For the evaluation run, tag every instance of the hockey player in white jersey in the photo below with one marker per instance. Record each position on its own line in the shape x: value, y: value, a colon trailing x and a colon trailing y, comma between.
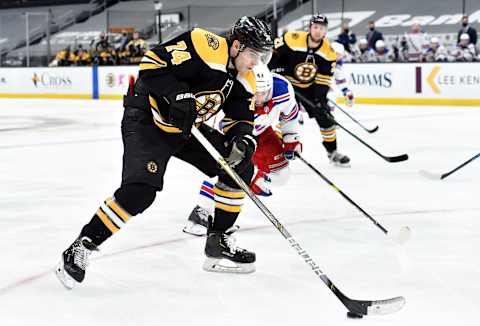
x: 276, y: 129
x: 341, y: 82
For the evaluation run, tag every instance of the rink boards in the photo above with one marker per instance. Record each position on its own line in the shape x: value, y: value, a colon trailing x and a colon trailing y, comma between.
x: 396, y: 84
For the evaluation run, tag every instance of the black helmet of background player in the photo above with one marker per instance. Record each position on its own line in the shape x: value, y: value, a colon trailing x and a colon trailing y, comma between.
x: 318, y: 27
x: 250, y: 43
x: 319, y: 18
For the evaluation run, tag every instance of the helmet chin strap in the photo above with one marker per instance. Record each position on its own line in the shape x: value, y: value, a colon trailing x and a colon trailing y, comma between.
x: 231, y: 63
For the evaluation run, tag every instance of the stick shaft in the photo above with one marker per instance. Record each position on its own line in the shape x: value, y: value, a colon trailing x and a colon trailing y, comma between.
x: 377, y: 224
x: 362, y: 307
x: 350, y: 116
x: 392, y: 159
x: 278, y: 225
x: 460, y: 166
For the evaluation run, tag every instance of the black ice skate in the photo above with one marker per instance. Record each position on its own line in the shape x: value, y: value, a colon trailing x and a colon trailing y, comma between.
x: 339, y: 159
x: 220, y: 248
x: 197, y: 222
x: 71, y: 269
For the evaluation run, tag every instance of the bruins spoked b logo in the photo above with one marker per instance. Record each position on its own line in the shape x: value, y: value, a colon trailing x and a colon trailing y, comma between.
x: 208, y: 104
x: 152, y: 167
x: 305, y: 72
x: 212, y: 41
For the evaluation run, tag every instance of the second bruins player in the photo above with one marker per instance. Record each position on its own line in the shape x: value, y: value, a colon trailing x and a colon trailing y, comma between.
x: 182, y: 83
x: 307, y: 60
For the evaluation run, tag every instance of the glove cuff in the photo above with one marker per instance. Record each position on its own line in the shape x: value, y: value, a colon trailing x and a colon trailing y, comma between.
x: 291, y: 138
x: 250, y: 140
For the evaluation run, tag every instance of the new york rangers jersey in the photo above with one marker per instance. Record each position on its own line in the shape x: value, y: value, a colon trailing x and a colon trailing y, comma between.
x: 281, y: 109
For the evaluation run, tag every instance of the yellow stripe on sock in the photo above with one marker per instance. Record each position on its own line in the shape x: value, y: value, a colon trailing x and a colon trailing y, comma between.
x: 228, y: 208
x: 117, y: 209
x: 329, y: 140
x: 229, y: 194
x: 107, y: 221
x: 326, y: 133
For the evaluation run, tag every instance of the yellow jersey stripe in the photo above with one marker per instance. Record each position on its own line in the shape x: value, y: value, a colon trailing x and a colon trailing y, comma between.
x: 229, y: 126
x: 166, y: 128
x: 152, y: 55
x: 323, y: 76
x: 158, y: 119
x: 147, y: 66
x: 322, y: 83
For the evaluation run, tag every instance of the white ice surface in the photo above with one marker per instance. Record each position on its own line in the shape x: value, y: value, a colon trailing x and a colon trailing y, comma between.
x: 60, y: 159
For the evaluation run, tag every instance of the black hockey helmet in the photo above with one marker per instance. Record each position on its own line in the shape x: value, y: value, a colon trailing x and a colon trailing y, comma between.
x: 319, y: 18
x: 253, y: 33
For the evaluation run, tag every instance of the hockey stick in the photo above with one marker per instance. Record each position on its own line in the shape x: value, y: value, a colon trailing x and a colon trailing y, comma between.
x: 401, y: 237
x: 438, y: 176
x: 371, y: 131
x: 391, y: 159
x: 356, y: 307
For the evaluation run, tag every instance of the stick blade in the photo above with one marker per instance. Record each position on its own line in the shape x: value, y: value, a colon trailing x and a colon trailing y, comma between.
x: 385, y: 307
x: 430, y: 175
x: 395, y: 159
x: 378, y: 307
x: 402, y: 235
x: 371, y: 131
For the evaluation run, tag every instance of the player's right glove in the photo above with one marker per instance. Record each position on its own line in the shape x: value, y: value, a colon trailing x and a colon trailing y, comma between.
x: 291, y: 145
x: 241, y: 152
x: 348, y: 94
x: 183, y: 112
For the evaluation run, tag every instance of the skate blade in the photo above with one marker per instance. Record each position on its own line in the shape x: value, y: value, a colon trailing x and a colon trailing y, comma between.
x: 215, y: 265
x: 67, y: 281
x: 195, y: 229
x: 340, y: 165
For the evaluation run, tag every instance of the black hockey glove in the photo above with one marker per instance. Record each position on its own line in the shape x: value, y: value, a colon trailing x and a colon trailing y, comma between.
x: 183, y: 112
x: 241, y: 153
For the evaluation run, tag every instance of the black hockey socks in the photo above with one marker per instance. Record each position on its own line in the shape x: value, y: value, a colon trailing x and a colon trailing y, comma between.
x: 329, y: 136
x: 129, y: 200
x: 228, y: 203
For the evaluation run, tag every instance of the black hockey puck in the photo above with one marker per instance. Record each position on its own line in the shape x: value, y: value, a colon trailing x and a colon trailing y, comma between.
x: 353, y: 315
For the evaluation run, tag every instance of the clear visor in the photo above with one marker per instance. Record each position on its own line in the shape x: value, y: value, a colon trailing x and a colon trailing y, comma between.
x: 262, y: 97
x: 258, y: 56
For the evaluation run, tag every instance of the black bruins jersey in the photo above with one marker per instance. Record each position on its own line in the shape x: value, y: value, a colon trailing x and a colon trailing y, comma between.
x: 197, y: 62
x: 309, y: 70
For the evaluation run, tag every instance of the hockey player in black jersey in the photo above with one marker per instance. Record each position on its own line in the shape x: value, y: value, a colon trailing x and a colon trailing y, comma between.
x: 307, y: 60
x: 181, y: 84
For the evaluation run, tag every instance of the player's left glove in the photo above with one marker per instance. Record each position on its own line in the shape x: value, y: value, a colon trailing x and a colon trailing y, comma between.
x: 291, y: 145
x: 348, y: 94
x: 183, y: 112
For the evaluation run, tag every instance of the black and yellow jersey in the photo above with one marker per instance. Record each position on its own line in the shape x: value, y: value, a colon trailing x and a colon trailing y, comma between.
x: 304, y: 67
x: 138, y: 43
x: 197, y: 62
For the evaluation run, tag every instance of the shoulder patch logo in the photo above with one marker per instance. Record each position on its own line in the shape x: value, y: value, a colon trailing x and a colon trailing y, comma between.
x: 152, y: 167
x: 212, y: 41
